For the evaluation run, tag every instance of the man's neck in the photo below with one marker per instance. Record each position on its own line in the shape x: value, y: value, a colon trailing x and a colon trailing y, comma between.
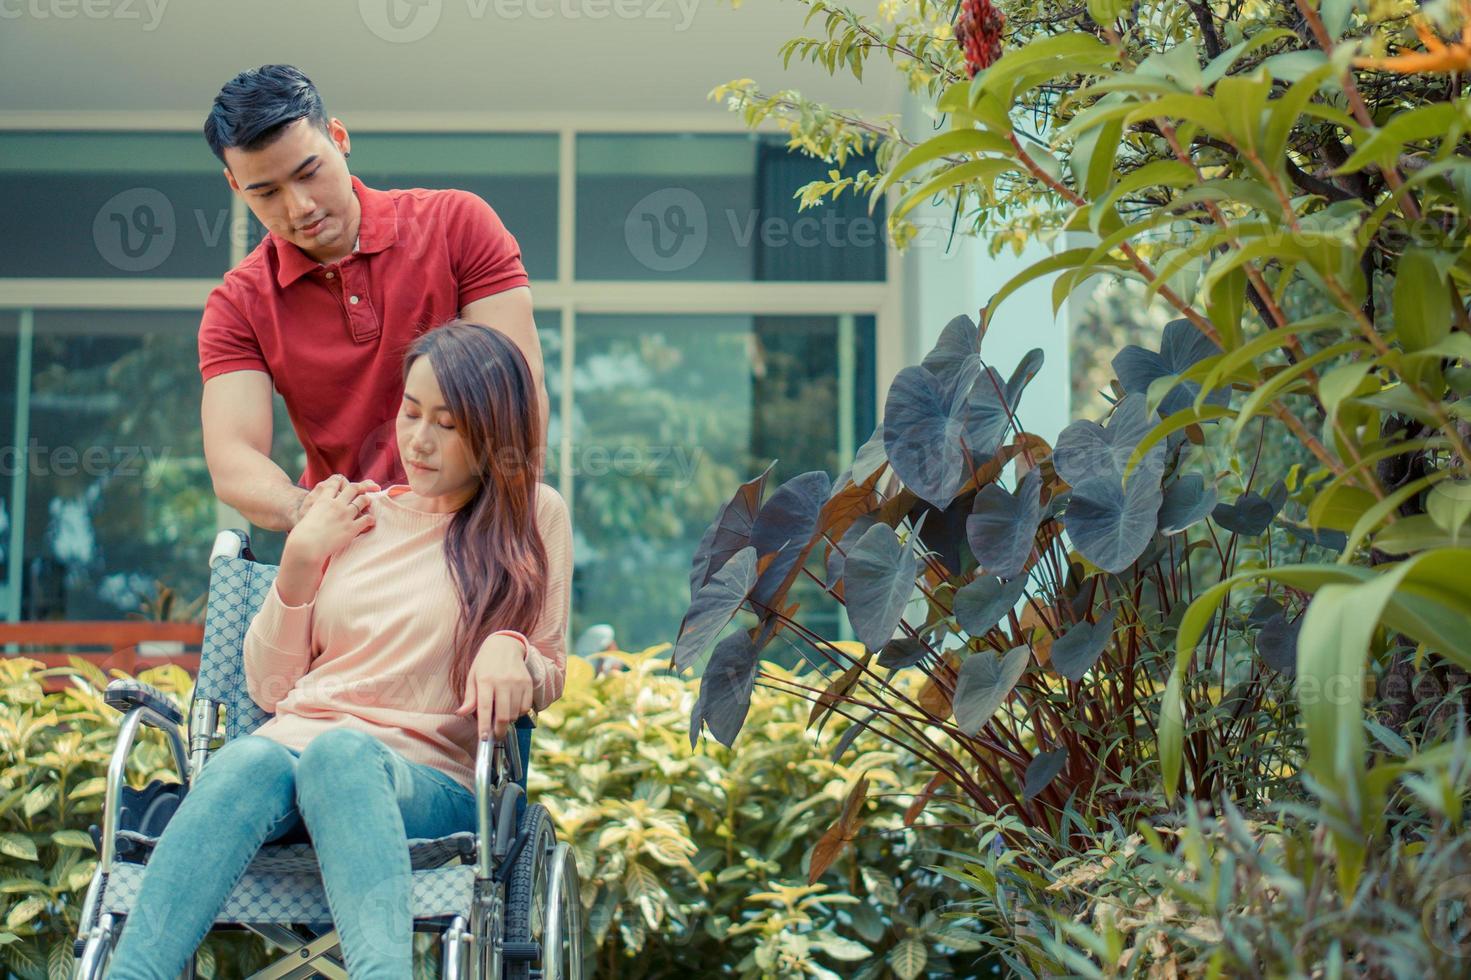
x: 354, y: 234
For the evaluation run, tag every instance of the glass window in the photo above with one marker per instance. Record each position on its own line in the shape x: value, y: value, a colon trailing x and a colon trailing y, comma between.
x: 129, y: 205
x: 672, y: 413
x: 118, y: 498
x: 717, y: 207
x: 12, y: 460
x: 515, y: 174
x: 287, y: 452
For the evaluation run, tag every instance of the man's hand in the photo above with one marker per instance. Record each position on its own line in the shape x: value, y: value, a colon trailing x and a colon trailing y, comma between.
x: 498, y: 686
x: 337, y: 513
x: 328, y: 487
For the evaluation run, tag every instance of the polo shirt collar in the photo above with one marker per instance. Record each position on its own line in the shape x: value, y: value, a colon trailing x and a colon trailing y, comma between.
x: 377, y: 230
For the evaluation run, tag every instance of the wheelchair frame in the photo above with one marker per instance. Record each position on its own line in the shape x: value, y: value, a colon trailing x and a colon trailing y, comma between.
x: 473, y: 947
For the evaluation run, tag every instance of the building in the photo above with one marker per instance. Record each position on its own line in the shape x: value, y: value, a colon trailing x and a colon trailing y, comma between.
x: 695, y: 325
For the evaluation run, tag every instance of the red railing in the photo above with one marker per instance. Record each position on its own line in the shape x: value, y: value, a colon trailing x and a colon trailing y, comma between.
x: 61, y: 639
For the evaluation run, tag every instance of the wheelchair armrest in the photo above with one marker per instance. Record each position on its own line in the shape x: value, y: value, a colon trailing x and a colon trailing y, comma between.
x: 498, y: 766
x: 127, y: 692
x: 142, y: 704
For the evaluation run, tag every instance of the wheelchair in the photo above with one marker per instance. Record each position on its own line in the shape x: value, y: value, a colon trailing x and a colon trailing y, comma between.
x: 504, y: 898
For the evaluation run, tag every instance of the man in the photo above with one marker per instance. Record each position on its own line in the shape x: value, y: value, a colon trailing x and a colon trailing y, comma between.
x: 325, y: 306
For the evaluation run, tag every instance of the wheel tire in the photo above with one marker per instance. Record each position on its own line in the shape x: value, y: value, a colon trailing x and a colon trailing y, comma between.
x: 527, y: 888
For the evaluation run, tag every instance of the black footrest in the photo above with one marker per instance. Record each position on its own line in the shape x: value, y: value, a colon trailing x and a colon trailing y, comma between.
x: 521, y: 952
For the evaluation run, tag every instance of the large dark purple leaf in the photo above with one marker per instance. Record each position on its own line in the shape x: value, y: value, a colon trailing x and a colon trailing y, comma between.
x: 1003, y: 526
x: 725, y: 689
x: 837, y: 557
x: 1025, y: 371
x: 943, y: 532
x: 785, y: 527
x: 981, y: 604
x: 1250, y: 514
x: 924, y: 418
x: 983, y: 684
x: 878, y: 579
x: 1187, y: 501
x: 1276, y: 644
x: 902, y: 651
x: 1181, y: 347
x: 956, y: 352
x: 1088, y: 450
x: 1077, y: 650
x: 988, y: 415
x: 1110, y: 525
x: 1042, y: 770
x: 870, y: 457
x: 729, y: 533
x: 715, y: 605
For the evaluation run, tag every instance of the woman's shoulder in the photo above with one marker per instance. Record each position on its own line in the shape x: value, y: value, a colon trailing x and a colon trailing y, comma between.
x: 551, y: 507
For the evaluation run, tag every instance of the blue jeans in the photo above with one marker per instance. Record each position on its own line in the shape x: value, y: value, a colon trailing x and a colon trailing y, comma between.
x: 359, y: 800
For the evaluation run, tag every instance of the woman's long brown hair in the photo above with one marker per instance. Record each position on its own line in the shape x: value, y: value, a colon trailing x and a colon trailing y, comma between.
x: 493, y: 547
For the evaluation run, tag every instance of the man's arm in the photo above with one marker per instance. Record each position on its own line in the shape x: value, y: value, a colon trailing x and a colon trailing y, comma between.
x: 236, y: 413
x: 511, y: 313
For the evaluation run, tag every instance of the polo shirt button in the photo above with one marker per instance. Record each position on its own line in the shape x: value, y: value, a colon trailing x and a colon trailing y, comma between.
x: 331, y: 275
x: 353, y: 300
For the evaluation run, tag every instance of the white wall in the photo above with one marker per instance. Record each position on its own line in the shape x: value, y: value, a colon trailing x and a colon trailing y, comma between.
x: 941, y: 283
x: 624, y: 57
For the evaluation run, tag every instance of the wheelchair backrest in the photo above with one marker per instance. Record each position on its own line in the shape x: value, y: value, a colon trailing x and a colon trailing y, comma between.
x: 237, y: 586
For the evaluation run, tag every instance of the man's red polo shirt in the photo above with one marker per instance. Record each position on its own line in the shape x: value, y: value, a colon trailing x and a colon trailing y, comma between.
x: 333, y: 338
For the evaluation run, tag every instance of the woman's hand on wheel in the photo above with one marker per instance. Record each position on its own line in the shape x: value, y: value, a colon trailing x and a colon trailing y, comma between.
x: 337, y: 510
x: 497, y: 686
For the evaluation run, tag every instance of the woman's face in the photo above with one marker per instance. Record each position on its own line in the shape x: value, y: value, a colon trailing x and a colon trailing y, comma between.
x: 434, y: 454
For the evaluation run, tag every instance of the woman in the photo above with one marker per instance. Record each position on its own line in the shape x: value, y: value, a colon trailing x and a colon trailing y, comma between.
x: 403, y: 625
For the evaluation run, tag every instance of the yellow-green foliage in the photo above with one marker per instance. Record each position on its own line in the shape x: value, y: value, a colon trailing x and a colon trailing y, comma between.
x: 687, y: 856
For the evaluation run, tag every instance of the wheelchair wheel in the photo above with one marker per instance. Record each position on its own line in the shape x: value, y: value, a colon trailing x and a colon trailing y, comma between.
x: 526, y: 890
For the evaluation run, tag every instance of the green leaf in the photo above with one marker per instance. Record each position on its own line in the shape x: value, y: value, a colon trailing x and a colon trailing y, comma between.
x: 26, y: 910
x: 73, y: 838
x: 18, y: 846
x: 1385, y: 144
x: 1332, y: 649
x: 907, y: 958
x: 953, y: 142
x: 1339, y: 509
x: 982, y: 172
x: 1449, y: 506
x: 1335, y: 16
x: 1422, y: 301
x: 1105, y: 12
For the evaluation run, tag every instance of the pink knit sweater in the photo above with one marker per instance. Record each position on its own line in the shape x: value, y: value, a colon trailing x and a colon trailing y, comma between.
x: 371, y: 650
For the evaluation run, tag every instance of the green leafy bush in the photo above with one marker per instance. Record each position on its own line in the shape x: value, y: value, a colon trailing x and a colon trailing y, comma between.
x: 686, y: 856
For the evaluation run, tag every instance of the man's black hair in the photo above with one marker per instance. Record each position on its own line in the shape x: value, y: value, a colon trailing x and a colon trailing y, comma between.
x: 255, y: 105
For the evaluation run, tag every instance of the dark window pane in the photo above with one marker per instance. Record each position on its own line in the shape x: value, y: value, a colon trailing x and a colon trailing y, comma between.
x: 672, y: 414
x: 717, y: 207
x: 515, y: 174
x: 132, y: 205
x: 118, y: 498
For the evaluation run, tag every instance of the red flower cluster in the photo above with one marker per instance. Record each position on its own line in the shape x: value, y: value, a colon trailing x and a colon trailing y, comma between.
x: 978, y: 29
